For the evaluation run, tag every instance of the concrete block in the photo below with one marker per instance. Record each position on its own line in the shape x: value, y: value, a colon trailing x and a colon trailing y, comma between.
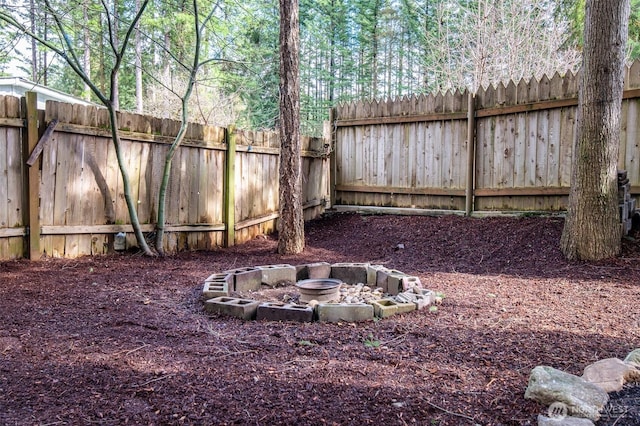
x: 344, y: 312
x: 220, y: 276
x: 404, y: 307
x: 409, y: 282
x: 302, y: 272
x: 394, y: 282
x: 382, y: 279
x: 217, y: 285
x: 246, y: 279
x: 350, y: 273
x: 276, y: 274
x: 372, y: 274
x: 384, y: 308
x: 213, y: 289
x: 420, y: 301
x: 273, y: 311
x: 427, y: 294
x: 319, y: 270
x: 405, y: 296
x: 231, y: 306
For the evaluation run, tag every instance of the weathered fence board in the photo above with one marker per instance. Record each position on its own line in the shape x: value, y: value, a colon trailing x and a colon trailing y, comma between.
x: 415, y: 150
x: 81, y: 200
x: 12, y: 242
x: 382, y: 162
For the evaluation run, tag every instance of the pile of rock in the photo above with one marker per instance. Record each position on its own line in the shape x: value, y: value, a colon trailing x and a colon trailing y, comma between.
x: 362, y: 293
x: 574, y: 400
x: 359, y: 293
x: 626, y: 204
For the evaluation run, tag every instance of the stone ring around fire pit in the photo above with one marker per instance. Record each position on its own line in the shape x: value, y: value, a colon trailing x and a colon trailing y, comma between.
x: 339, y: 292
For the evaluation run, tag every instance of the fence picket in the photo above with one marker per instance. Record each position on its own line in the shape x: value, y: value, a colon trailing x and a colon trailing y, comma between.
x: 544, y: 88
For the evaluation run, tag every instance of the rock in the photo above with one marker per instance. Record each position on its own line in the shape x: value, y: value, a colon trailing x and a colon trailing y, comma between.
x: 634, y: 356
x: 548, y: 385
x: 611, y: 374
x: 563, y: 421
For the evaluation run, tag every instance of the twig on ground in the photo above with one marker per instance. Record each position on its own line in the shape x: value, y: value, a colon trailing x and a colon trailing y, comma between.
x: 229, y: 353
x: 619, y: 417
x: 292, y: 361
x: 129, y: 352
x: 155, y: 380
x: 450, y: 412
x: 402, y: 336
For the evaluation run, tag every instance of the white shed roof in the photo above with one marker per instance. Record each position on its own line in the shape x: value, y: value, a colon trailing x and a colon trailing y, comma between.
x: 17, y: 86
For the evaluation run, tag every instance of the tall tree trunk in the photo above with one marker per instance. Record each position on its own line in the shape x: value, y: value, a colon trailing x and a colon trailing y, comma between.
x: 291, y: 223
x: 34, y: 43
x: 592, y: 228
x: 86, y: 92
x: 375, y: 38
x: 102, y: 76
x: 138, y: 60
x: 166, y: 73
x: 332, y: 53
x: 115, y: 78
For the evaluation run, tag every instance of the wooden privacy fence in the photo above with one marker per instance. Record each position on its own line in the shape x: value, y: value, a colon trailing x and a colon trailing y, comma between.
x: 421, y: 153
x: 223, y: 188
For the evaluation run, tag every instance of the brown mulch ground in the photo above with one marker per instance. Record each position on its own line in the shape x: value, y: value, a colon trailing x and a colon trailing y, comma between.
x: 123, y: 339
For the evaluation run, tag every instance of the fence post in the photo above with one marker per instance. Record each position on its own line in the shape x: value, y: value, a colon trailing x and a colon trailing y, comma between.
x: 230, y: 187
x: 32, y: 175
x: 471, y: 153
x: 332, y: 156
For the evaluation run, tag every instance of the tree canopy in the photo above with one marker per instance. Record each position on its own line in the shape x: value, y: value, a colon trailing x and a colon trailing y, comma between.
x: 349, y: 49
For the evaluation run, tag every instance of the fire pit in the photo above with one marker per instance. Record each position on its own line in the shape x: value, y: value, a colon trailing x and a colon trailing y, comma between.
x: 322, y: 290
x: 355, y: 292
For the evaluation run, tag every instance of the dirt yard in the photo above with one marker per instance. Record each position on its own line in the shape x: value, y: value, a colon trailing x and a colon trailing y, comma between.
x: 123, y: 339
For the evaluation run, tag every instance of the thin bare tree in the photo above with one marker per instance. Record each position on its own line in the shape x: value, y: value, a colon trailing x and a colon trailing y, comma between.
x: 497, y: 41
x: 192, y: 71
x: 65, y: 50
